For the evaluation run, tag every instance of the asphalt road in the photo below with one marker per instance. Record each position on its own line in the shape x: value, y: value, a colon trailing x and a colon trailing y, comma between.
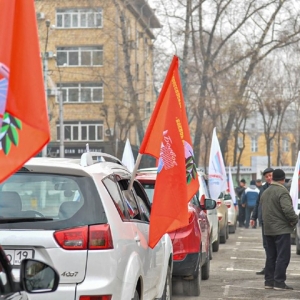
x: 233, y: 267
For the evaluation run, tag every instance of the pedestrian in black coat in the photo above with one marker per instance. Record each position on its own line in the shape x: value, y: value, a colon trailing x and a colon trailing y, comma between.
x: 268, y: 174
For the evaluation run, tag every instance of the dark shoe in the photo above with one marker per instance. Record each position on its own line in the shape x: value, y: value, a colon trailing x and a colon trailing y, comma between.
x: 262, y: 272
x: 282, y: 287
x: 269, y: 287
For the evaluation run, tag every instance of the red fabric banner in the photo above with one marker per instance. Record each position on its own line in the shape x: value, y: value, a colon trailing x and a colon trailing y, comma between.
x: 167, y: 138
x: 24, y: 126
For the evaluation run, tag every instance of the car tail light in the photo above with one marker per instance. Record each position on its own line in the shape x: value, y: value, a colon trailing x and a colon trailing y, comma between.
x: 100, y: 237
x: 228, y: 204
x: 95, y: 237
x: 181, y: 256
x: 100, y: 297
x: 219, y: 202
x: 220, y: 218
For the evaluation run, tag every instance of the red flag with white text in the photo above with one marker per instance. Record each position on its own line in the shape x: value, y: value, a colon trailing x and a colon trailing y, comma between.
x: 24, y: 126
x: 167, y: 138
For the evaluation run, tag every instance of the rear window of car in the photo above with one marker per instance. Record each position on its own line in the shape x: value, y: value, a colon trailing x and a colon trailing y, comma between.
x: 49, y: 201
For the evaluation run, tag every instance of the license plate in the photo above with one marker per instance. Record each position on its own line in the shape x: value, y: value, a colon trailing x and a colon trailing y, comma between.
x: 16, y: 256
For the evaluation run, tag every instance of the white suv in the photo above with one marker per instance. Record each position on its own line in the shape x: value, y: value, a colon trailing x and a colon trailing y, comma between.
x: 81, y: 217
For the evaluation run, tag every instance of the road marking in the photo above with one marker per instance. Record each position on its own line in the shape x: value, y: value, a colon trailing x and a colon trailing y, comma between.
x: 247, y: 258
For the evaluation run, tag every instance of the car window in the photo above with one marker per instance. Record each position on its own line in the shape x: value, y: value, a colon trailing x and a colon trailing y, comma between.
x: 227, y: 197
x: 195, y: 201
x: 114, y: 192
x: 149, y: 189
x: 143, y: 201
x: 63, y: 199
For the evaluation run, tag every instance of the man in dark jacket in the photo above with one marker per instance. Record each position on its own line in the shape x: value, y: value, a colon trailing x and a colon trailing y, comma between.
x: 279, y: 219
x: 267, y: 173
x: 239, y: 190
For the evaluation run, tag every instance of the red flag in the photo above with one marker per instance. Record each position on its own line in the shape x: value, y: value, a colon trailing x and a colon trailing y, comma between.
x: 168, y: 139
x: 24, y: 126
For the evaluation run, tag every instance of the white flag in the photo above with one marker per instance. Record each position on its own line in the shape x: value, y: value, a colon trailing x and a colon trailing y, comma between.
x: 217, y: 181
x: 230, y: 186
x: 295, y: 184
x: 127, y: 158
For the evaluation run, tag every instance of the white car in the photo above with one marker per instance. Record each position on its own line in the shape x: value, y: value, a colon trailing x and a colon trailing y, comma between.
x: 212, y: 214
x: 81, y: 217
x: 232, y: 211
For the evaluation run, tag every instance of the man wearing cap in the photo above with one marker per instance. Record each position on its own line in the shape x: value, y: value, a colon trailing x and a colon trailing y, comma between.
x: 267, y: 173
x: 249, y: 200
x: 239, y: 190
x: 279, y: 219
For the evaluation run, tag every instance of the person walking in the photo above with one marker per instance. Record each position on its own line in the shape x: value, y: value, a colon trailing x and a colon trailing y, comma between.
x: 256, y: 214
x: 249, y: 199
x: 239, y: 190
x: 279, y: 219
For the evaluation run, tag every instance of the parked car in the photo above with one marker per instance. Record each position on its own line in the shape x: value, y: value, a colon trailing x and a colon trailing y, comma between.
x: 212, y: 214
x: 223, y: 219
x: 33, y: 277
x: 82, y: 217
x: 191, y: 244
x: 232, y: 212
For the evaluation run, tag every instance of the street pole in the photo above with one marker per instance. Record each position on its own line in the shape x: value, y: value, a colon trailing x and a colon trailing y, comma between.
x: 45, y: 69
x: 61, y: 126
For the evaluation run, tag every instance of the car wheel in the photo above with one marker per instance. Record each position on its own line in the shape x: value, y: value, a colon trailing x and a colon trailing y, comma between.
x: 227, y: 231
x: 223, y: 235
x: 136, y: 296
x: 210, y: 250
x: 297, y: 245
x: 205, y: 269
x: 232, y: 229
x: 215, y: 245
x: 192, y: 287
x: 167, y: 294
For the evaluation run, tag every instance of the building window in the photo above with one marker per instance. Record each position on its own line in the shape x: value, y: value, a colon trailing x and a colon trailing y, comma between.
x: 254, y: 147
x: 285, y: 145
x: 82, y: 92
x: 80, y: 56
x: 82, y: 131
x: 79, y: 18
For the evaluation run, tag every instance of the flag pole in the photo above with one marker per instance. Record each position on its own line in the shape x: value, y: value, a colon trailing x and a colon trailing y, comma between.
x: 136, y: 166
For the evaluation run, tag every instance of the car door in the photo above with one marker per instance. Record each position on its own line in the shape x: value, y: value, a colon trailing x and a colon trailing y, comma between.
x: 203, y: 223
x: 139, y: 209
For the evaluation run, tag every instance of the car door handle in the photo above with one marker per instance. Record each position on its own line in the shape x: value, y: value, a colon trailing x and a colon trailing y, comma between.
x: 137, y: 238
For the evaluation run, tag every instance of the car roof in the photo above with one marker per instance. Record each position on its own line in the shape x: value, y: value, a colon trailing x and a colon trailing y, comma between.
x: 79, y: 167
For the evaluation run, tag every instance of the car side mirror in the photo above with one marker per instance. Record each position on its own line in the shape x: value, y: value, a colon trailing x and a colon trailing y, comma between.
x: 209, y: 204
x: 38, y: 277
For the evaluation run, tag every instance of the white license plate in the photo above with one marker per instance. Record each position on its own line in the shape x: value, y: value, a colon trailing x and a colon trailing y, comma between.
x: 16, y: 256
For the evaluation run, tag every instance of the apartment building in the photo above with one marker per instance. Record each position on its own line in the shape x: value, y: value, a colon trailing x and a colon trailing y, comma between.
x: 97, y: 58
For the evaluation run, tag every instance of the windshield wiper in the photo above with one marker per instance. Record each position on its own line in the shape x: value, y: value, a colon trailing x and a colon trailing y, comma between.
x: 20, y: 220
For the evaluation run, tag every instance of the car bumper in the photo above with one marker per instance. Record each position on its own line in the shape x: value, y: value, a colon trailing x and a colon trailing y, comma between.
x: 187, y: 266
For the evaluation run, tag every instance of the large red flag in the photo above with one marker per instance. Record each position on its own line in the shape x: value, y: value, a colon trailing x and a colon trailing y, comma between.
x: 24, y: 126
x: 168, y: 139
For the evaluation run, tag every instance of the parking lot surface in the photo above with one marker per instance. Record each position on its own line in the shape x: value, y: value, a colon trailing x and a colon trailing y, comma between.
x: 233, y: 267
